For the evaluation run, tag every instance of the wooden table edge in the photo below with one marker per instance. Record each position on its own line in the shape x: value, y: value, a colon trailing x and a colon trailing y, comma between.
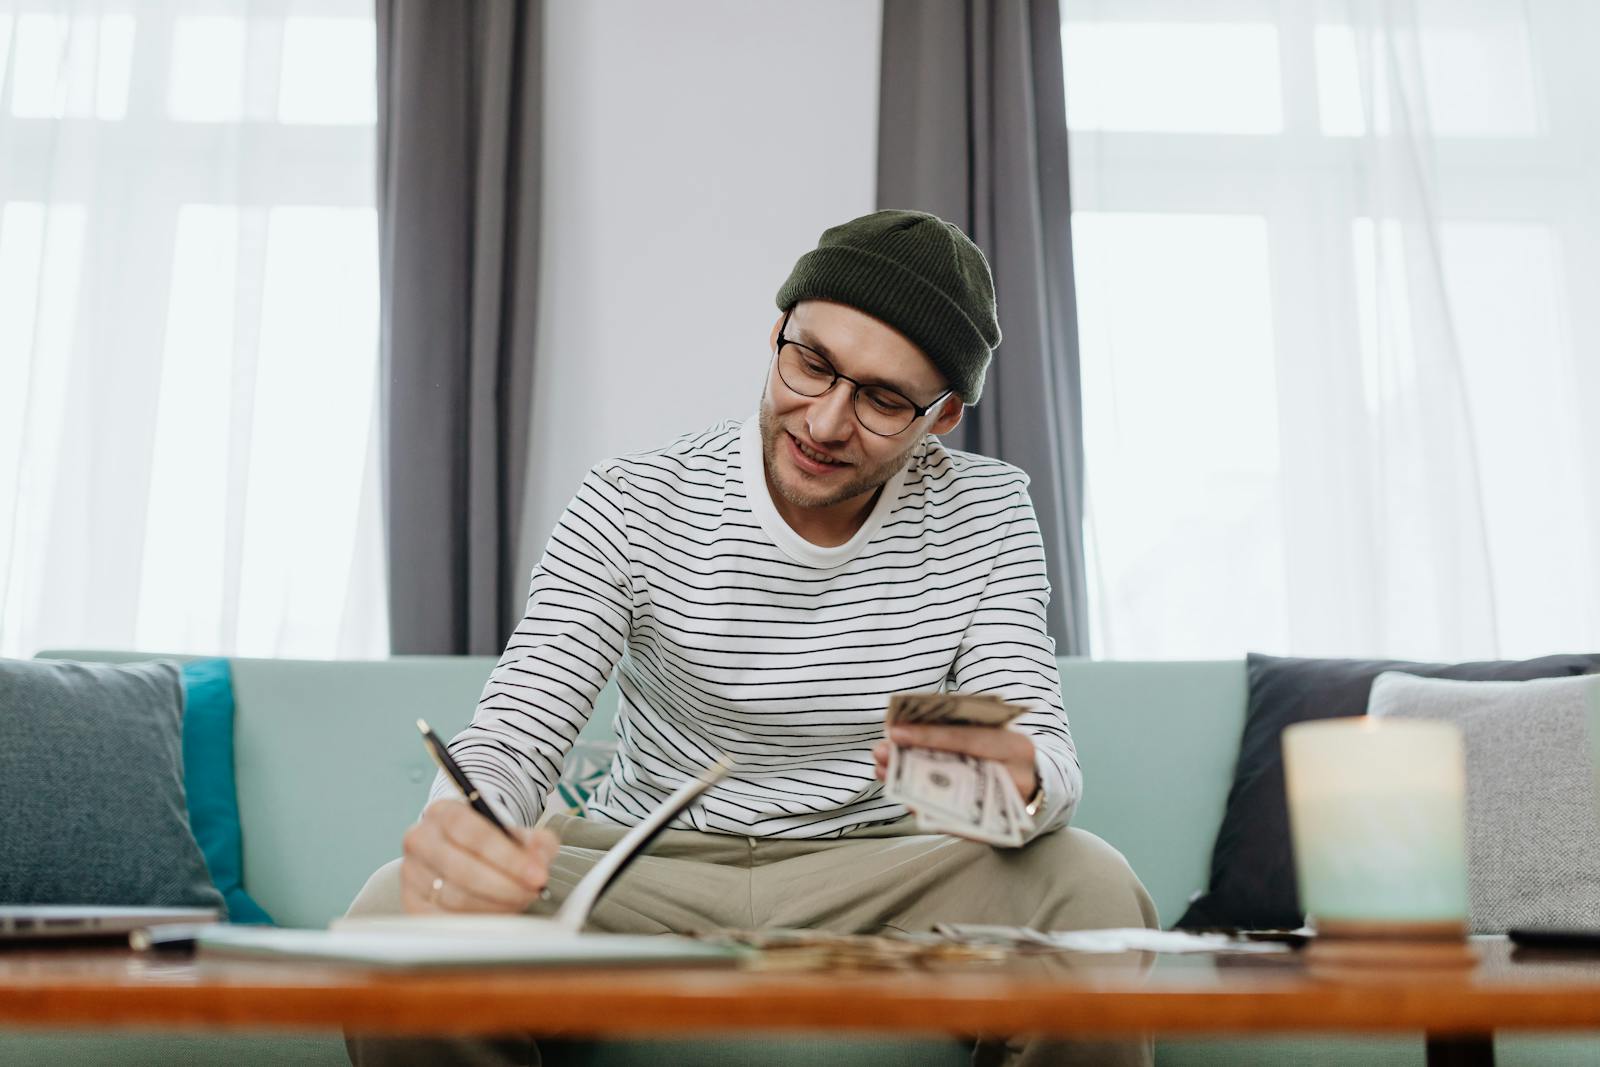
x: 407, y: 1008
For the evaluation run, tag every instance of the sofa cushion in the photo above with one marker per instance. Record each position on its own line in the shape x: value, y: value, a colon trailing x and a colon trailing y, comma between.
x: 209, y: 782
x: 1533, y: 836
x: 91, y: 787
x: 1252, y: 881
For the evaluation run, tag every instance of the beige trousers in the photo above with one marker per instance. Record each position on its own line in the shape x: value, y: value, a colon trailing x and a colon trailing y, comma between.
x: 883, y: 878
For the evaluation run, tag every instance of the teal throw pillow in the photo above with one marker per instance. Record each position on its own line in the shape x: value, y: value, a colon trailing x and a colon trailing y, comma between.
x: 208, y: 773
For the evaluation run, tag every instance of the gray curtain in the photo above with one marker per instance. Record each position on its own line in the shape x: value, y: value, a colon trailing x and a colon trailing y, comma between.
x: 972, y: 127
x: 458, y: 201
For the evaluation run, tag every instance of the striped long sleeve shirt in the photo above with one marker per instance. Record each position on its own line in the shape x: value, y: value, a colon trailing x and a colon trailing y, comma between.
x: 729, y: 633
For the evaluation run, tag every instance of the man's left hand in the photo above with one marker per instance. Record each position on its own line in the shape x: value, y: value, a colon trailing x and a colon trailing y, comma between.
x: 1010, y: 748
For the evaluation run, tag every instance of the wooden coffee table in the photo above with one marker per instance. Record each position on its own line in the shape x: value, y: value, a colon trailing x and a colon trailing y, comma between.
x: 112, y: 988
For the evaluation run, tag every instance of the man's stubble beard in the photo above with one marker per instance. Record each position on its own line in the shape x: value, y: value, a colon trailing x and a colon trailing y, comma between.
x: 865, y: 481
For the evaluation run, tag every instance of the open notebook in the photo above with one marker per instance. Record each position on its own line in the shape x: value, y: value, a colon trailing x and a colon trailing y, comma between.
x: 404, y: 941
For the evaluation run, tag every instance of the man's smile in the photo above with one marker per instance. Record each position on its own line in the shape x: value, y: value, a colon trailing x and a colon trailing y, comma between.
x: 810, y: 459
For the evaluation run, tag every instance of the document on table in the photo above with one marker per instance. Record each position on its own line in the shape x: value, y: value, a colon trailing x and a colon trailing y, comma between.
x: 432, y: 945
x: 1134, y: 939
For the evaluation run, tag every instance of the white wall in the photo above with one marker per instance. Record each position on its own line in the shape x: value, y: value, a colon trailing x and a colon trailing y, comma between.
x: 693, y: 151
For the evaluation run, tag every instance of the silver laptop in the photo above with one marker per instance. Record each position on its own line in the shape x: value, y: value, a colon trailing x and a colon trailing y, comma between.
x: 53, y: 922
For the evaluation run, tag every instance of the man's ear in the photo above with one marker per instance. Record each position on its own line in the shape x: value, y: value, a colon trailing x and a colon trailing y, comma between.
x: 949, y: 415
x: 777, y: 328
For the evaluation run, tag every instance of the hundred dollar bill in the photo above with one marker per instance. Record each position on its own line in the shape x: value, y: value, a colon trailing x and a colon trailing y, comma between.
x: 960, y: 709
x: 951, y: 792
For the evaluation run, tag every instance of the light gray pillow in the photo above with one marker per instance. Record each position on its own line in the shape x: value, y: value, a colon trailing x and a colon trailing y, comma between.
x: 1533, y: 834
x: 91, y: 787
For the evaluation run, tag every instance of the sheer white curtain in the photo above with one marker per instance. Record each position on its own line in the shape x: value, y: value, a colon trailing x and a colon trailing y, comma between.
x: 188, y: 300
x: 1340, y: 369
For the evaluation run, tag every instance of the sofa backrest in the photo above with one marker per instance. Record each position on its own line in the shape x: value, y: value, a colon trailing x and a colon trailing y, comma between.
x: 1157, y: 742
x: 336, y: 790
x: 329, y: 766
x: 331, y: 772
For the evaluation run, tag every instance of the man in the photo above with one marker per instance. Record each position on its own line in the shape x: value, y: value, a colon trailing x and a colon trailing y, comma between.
x: 761, y: 590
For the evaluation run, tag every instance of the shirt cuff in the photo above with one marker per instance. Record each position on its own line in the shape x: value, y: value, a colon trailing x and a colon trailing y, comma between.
x: 498, y: 802
x: 1060, y: 797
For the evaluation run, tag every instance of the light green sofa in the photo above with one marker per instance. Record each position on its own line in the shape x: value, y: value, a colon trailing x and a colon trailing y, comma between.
x: 330, y: 773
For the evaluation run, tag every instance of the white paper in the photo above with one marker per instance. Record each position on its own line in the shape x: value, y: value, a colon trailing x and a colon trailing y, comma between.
x: 1131, y: 939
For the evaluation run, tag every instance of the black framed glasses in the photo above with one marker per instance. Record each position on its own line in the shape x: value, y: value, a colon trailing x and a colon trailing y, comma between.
x: 880, y: 409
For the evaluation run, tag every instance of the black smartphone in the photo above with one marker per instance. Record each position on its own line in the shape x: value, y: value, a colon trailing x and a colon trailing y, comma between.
x: 1587, y: 939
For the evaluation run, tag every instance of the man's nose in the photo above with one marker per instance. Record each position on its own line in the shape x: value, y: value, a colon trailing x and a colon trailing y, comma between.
x: 832, y: 416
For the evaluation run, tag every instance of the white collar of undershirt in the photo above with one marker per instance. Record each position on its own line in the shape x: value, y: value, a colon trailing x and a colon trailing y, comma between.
x: 783, y: 535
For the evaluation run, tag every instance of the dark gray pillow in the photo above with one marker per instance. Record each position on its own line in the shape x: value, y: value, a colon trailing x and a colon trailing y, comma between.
x: 91, y: 787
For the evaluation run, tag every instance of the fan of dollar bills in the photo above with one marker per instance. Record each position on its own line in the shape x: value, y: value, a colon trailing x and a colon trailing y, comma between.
x: 951, y: 792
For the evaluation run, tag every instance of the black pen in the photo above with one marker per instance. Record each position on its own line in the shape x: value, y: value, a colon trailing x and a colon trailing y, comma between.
x: 168, y: 937
x: 441, y: 756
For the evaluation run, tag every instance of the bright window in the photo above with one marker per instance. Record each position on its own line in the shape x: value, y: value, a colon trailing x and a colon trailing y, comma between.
x: 1120, y: 74
x: 188, y: 328
x: 1262, y: 320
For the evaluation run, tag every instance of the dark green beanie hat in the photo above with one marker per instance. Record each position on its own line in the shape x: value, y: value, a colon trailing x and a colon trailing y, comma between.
x: 917, y: 273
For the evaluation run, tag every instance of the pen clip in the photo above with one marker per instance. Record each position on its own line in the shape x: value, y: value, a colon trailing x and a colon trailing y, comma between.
x: 436, y: 749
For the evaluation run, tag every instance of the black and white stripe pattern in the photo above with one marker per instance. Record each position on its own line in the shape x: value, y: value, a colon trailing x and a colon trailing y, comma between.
x: 736, y: 636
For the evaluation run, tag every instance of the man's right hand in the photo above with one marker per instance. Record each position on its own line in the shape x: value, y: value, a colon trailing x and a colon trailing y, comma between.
x: 456, y: 861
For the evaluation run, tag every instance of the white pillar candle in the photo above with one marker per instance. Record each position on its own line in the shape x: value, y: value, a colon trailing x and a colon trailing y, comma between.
x: 1377, y: 812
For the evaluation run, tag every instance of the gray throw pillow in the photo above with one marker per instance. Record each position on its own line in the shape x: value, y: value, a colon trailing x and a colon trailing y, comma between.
x: 1533, y: 834
x: 91, y: 787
